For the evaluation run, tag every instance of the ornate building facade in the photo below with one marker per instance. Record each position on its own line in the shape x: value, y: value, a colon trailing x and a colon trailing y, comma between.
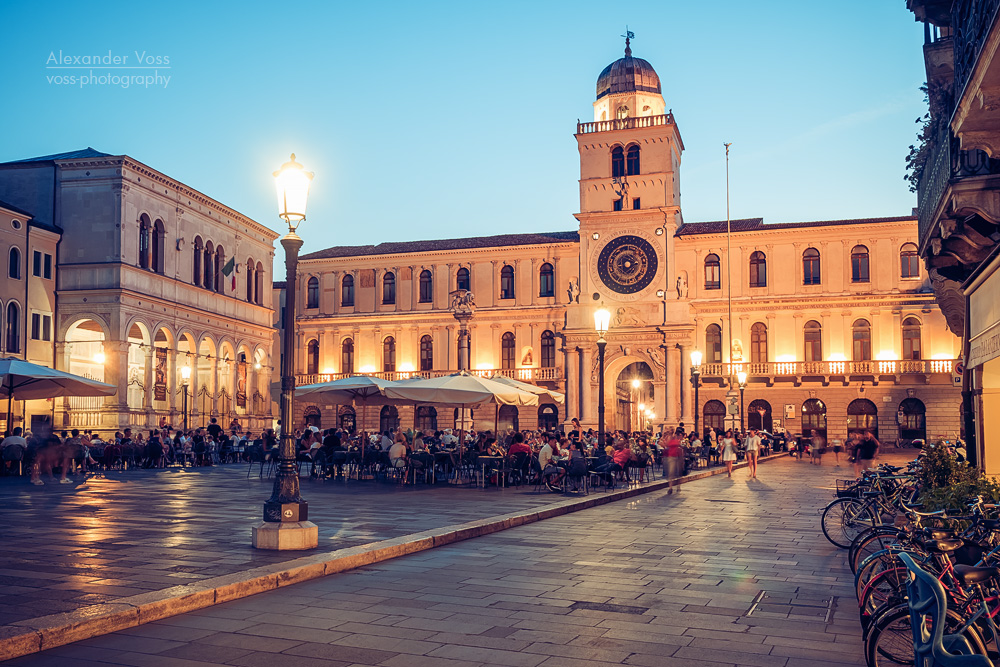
x: 956, y: 167
x: 834, y: 322
x: 151, y: 276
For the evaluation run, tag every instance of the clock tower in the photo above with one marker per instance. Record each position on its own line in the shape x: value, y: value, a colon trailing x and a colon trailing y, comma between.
x: 629, y: 210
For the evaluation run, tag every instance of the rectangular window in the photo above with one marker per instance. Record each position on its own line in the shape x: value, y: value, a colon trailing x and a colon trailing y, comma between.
x: 46, y: 327
x: 636, y: 204
x: 36, y: 325
x: 36, y: 264
x: 47, y: 273
x: 617, y: 205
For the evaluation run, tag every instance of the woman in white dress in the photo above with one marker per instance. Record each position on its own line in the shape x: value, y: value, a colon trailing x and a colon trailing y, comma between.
x: 729, y: 451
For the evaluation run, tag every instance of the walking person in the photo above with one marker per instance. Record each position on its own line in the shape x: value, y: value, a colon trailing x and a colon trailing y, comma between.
x: 817, y: 447
x: 729, y: 451
x: 753, y: 449
x: 673, y: 457
x: 838, y: 447
x: 866, y: 453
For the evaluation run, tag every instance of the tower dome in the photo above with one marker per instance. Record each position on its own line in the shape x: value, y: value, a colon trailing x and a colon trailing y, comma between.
x: 628, y: 75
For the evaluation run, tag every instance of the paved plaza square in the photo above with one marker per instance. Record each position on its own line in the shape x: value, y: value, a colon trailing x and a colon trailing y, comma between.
x: 726, y: 571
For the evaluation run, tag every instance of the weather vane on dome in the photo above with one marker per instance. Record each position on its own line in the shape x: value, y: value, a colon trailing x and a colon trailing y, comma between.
x: 629, y: 35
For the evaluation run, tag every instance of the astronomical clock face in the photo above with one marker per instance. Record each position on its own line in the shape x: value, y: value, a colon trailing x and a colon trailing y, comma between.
x: 627, y: 264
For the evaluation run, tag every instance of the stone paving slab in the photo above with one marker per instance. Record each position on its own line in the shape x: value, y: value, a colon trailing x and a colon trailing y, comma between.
x: 549, y: 593
x: 141, y: 598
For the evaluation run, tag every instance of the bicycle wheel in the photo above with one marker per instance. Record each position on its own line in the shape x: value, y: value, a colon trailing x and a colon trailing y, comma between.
x: 844, y: 519
x: 888, y: 588
x: 890, y: 640
x: 878, y: 562
x: 871, y: 542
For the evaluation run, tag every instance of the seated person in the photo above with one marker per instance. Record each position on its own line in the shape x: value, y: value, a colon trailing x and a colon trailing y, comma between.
x: 397, y: 455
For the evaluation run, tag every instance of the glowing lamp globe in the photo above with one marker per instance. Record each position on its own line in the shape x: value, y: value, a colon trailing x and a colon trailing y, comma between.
x: 602, y: 320
x: 696, y: 358
x: 292, y: 183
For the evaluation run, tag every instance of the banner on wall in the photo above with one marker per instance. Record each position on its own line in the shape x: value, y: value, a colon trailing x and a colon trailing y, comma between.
x: 160, y: 375
x: 241, y: 385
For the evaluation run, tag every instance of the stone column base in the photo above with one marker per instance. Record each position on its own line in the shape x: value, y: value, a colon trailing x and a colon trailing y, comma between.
x: 289, y: 536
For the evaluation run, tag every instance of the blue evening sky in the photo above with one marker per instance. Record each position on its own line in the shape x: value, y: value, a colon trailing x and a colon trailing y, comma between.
x: 442, y: 119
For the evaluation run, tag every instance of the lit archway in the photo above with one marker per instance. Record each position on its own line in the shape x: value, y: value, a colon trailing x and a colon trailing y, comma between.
x: 634, y: 396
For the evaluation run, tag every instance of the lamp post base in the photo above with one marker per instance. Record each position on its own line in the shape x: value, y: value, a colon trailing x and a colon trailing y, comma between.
x: 287, y: 536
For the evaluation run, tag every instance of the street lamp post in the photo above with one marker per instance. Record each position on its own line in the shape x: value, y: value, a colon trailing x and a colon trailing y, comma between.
x: 742, y: 379
x: 185, y: 378
x: 695, y: 380
x: 286, y: 525
x: 602, y: 319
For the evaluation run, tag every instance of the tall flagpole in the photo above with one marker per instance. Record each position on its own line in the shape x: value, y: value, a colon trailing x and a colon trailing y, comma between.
x: 729, y: 266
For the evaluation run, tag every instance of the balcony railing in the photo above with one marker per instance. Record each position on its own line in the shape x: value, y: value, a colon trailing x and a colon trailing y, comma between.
x: 523, y: 374
x: 630, y: 123
x: 828, y: 368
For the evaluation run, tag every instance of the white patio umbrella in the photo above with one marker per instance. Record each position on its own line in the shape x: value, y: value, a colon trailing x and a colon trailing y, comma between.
x: 534, y: 389
x: 25, y: 381
x: 345, y: 390
x: 461, y: 390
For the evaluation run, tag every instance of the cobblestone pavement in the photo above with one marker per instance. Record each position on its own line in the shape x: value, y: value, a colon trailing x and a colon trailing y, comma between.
x: 111, y: 536
x: 724, y: 572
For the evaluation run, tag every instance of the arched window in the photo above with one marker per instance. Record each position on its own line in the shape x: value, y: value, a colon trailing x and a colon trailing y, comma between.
x: 632, y: 161
x: 912, y: 419
x: 546, y: 280
x: 713, y: 344
x: 14, y: 263
x: 813, y: 335
x: 347, y: 356
x: 715, y: 415
x: 713, y: 272
x: 813, y: 417
x: 258, y: 281
x: 426, y: 353
x: 389, y: 354
x: 758, y: 343
x: 507, y: 350
x: 143, y: 241
x: 312, y: 293
x: 462, y: 280
x: 909, y: 262
x: 862, y: 336
x: 617, y: 162
x: 862, y: 415
x: 548, y: 349
x: 388, y: 418
x: 548, y: 417
x: 220, y: 262
x: 507, y: 282
x: 911, y: 338
x: 197, y: 248
x: 426, y: 419
x: 347, y: 418
x: 347, y: 291
x: 389, y: 288
x: 208, y: 266
x: 426, y: 287
x: 859, y: 265
x: 13, y: 337
x: 159, y: 236
x: 507, y: 418
x: 312, y: 357
x: 759, y: 415
x: 758, y: 269
x: 810, y: 267
x: 251, y: 280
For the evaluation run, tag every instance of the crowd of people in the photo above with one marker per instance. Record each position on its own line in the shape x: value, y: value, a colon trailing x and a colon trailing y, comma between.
x: 69, y: 451
x: 554, y: 455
